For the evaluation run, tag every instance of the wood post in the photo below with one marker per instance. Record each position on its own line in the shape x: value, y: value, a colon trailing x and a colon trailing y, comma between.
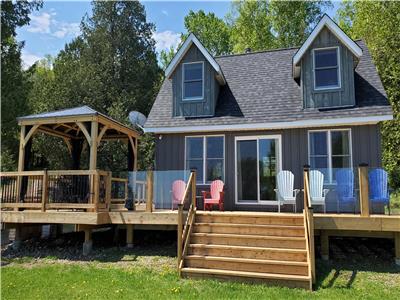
x: 21, y: 162
x: 129, y: 236
x: 312, y: 245
x: 108, y: 190
x: 180, y: 232
x: 397, y: 248
x: 306, y: 170
x: 96, y: 194
x: 149, y: 200
x: 93, y: 145
x: 364, y: 189
x: 324, y: 245
x: 194, y: 188
x: 44, y: 190
x: 88, y: 243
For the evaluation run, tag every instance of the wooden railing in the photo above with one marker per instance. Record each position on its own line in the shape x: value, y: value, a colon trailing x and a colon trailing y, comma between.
x: 184, y: 231
x: 64, y: 189
x: 309, y: 225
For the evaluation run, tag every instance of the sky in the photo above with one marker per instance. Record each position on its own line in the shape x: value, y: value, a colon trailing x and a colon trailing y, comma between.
x: 57, y: 23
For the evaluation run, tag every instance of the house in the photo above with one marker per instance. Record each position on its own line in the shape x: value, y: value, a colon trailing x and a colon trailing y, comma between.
x: 242, y: 118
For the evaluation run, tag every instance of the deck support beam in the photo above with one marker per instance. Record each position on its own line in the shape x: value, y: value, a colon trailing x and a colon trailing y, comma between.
x: 129, y: 236
x: 324, y: 245
x: 88, y: 243
x: 397, y: 248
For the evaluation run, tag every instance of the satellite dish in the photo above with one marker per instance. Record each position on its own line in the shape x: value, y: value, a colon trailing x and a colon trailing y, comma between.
x: 137, y: 119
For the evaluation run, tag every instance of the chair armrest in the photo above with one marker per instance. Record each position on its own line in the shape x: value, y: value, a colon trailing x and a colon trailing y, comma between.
x: 295, y: 192
x: 325, y: 192
x: 221, y: 196
x: 275, y: 190
x: 205, y: 193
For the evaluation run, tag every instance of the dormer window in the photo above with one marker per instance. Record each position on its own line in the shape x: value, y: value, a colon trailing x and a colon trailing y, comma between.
x: 193, y: 81
x: 326, y: 68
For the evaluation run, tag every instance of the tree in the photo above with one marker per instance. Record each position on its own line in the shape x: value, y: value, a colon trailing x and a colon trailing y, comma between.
x: 111, y: 66
x: 293, y: 21
x: 212, y: 31
x: 14, y: 86
x: 251, y: 26
x: 166, y: 56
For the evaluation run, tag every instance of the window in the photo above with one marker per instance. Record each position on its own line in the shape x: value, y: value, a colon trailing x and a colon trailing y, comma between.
x: 206, y: 155
x: 326, y: 68
x: 193, y: 81
x: 329, y: 150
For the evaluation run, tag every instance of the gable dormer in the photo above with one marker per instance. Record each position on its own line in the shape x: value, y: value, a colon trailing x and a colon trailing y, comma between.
x: 325, y: 66
x: 196, y: 78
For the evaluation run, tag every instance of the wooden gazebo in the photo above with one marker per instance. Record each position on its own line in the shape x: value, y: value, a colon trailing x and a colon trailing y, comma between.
x: 90, y: 189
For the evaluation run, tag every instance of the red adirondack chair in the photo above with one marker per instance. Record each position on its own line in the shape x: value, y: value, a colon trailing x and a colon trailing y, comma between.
x: 177, y: 193
x: 215, y: 196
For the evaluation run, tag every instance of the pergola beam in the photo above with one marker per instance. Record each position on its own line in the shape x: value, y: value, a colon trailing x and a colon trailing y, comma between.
x: 56, y: 133
x: 29, y: 134
x: 86, y: 133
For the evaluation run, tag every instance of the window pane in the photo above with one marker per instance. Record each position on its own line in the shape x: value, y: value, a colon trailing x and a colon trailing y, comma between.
x: 198, y: 166
x: 193, y: 89
x: 319, y: 162
x: 215, y: 147
x: 340, y: 162
x: 214, y: 169
x: 325, y: 58
x: 340, y: 142
x: 193, y: 71
x: 326, y: 77
x: 267, y: 168
x: 194, y: 148
x: 318, y: 145
x: 247, y: 171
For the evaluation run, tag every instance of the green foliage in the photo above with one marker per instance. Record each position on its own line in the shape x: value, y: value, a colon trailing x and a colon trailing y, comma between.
x: 111, y: 66
x: 378, y: 24
x: 212, y: 31
x: 14, y: 86
x: 166, y: 56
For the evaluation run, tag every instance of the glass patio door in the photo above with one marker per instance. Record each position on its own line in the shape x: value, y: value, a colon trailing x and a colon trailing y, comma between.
x: 257, y: 164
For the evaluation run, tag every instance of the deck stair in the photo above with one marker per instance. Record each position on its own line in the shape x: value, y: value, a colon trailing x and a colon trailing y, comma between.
x: 257, y: 247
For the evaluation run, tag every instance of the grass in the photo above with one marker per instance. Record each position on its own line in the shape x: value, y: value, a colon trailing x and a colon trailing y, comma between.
x: 141, y: 274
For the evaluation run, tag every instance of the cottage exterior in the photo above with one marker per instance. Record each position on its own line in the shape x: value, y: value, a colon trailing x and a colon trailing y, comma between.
x: 242, y: 118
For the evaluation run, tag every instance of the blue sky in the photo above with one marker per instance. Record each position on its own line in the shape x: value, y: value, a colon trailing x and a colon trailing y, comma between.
x: 58, y: 22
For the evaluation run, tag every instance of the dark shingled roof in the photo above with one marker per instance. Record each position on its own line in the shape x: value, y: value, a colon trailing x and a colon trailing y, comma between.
x: 260, y: 88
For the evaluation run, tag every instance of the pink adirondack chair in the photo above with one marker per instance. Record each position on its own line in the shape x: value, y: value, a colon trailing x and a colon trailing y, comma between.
x: 215, y: 196
x: 177, y: 193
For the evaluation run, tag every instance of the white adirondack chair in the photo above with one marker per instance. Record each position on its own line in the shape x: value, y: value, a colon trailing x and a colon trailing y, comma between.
x: 317, y: 191
x: 286, y: 193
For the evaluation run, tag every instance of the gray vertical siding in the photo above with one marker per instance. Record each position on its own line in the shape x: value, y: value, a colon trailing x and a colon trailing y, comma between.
x: 205, y: 107
x: 366, y: 148
x: 345, y: 95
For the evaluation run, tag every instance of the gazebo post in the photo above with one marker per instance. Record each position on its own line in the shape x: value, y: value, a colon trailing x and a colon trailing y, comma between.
x: 93, y: 160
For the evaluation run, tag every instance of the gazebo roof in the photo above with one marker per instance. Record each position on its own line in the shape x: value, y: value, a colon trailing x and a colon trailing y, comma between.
x: 69, y: 123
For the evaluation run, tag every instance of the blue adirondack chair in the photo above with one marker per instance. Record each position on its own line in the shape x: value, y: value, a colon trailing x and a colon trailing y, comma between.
x: 378, y: 187
x: 345, y: 188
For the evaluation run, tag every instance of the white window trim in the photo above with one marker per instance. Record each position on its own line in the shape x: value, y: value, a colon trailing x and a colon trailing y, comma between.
x: 202, y: 81
x: 338, y: 69
x: 329, y: 148
x: 204, y: 181
x: 250, y: 138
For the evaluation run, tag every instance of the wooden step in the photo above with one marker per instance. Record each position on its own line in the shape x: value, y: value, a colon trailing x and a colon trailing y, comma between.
x: 248, y: 252
x: 249, y: 240
x: 252, y: 229
x: 247, y: 264
x: 273, y: 279
x: 263, y: 219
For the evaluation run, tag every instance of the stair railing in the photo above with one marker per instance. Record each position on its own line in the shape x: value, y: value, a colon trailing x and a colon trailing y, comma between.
x: 309, y: 224
x: 184, y: 232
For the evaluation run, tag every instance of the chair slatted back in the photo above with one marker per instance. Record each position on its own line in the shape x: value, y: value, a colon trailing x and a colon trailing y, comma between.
x: 285, y: 183
x: 378, y: 185
x: 316, y: 184
x: 345, y: 184
x: 178, y: 191
x: 216, y: 187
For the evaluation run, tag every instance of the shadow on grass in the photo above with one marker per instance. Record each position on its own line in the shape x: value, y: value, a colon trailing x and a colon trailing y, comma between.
x: 349, y: 256
x: 106, y: 247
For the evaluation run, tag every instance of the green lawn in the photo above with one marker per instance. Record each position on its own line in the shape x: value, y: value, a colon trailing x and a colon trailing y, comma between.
x: 28, y: 278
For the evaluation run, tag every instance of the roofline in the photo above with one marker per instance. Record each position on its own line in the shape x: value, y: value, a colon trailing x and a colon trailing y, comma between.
x: 336, y: 30
x: 273, y: 125
x: 192, y: 39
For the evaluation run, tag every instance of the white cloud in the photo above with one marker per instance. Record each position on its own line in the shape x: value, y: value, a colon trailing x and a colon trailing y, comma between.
x: 65, y: 29
x: 45, y: 23
x: 40, y: 23
x: 28, y: 59
x: 166, y: 39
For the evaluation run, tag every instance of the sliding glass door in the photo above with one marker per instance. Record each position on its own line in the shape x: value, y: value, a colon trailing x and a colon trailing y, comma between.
x: 258, y: 161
